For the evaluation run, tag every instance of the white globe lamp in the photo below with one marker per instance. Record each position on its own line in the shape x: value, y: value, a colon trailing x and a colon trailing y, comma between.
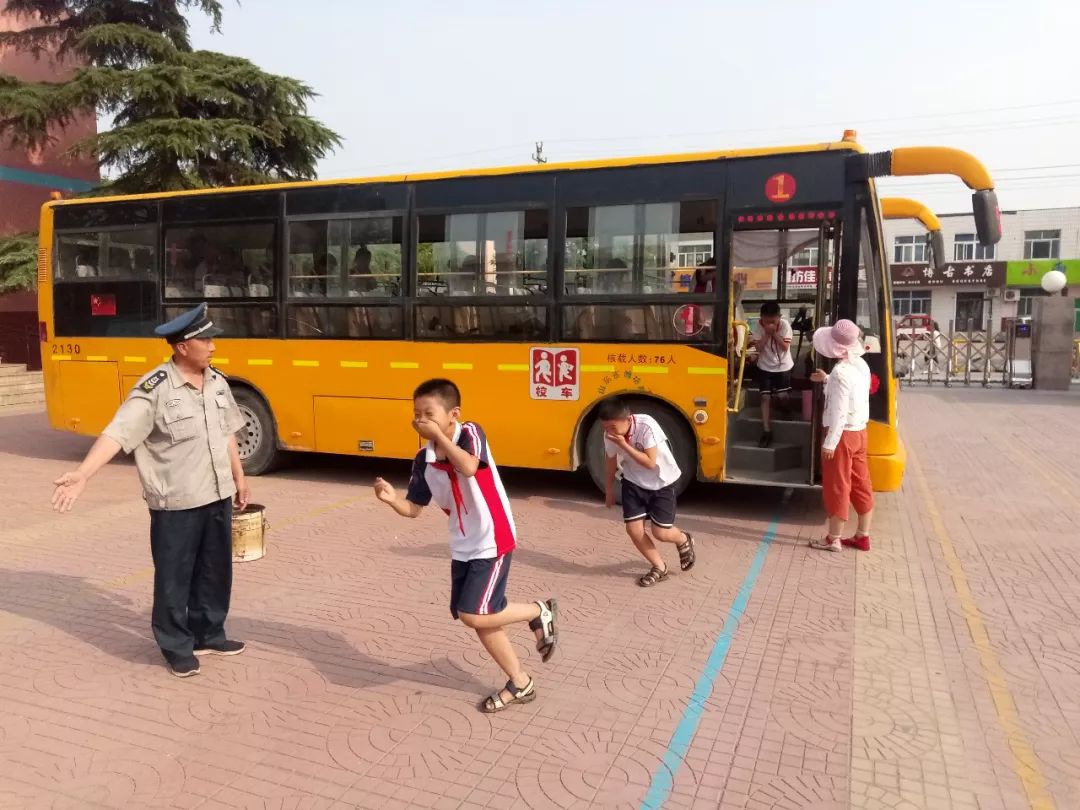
x: 1054, y: 281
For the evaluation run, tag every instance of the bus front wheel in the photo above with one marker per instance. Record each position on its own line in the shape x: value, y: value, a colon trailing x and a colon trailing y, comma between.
x: 256, y: 440
x: 678, y: 433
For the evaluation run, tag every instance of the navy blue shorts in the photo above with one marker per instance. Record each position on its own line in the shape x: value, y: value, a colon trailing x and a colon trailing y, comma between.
x: 658, y: 505
x: 479, y: 586
x: 774, y: 382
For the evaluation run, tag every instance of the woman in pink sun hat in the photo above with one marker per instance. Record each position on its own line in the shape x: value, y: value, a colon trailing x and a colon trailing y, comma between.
x: 845, y: 474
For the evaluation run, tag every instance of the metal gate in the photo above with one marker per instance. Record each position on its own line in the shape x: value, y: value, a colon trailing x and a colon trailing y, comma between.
x: 970, y: 357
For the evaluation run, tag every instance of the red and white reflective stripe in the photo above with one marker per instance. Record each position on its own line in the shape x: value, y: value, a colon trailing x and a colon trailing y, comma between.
x: 485, y: 602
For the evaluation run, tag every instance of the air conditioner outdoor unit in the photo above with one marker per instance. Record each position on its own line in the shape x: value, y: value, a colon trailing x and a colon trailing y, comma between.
x: 1012, y: 295
x: 992, y: 292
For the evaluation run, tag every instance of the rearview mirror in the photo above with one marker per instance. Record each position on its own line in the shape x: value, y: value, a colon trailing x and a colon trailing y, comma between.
x: 937, y: 249
x: 984, y: 204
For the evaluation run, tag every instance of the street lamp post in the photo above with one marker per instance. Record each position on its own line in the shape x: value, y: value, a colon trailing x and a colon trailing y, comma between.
x: 1052, y: 334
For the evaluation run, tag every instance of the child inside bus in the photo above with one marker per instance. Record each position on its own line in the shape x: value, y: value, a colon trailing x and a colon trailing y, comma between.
x: 772, y: 340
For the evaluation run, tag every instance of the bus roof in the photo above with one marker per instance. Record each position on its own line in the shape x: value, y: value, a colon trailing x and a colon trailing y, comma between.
x: 688, y: 157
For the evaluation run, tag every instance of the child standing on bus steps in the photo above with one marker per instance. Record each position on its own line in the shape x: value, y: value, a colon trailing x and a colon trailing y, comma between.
x: 772, y: 339
x: 638, y: 443
x: 457, y: 471
x: 844, y: 472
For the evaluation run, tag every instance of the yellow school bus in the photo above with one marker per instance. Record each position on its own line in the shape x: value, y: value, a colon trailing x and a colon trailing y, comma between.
x: 539, y: 289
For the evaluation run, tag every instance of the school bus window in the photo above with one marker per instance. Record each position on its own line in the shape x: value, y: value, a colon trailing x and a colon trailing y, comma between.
x: 345, y: 258
x: 105, y: 282
x: 638, y: 249
x: 220, y: 261
x: 497, y: 253
x: 345, y: 321
x: 238, y: 320
x: 434, y: 322
x: 682, y: 323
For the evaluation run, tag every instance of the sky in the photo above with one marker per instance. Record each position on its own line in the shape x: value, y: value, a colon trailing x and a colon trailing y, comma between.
x: 420, y: 85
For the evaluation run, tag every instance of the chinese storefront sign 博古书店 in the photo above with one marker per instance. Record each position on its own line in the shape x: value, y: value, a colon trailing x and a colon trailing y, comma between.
x: 954, y: 274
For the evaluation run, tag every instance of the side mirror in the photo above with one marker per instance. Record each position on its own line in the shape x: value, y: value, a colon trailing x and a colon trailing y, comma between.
x: 937, y: 249
x: 984, y: 204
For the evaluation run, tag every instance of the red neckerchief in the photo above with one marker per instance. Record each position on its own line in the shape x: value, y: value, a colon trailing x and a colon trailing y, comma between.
x: 630, y: 430
x: 455, y: 490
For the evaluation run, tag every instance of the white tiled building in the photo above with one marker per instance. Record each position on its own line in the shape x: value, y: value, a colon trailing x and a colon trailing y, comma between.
x: 1032, y: 242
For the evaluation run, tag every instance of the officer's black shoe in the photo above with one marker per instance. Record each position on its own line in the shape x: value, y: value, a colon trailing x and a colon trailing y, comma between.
x: 184, y: 666
x: 229, y: 647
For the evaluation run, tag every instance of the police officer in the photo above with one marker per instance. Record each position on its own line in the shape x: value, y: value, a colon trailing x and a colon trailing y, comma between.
x: 180, y: 420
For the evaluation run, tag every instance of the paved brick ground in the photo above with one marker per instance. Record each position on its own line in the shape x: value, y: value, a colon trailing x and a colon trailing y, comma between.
x: 940, y: 670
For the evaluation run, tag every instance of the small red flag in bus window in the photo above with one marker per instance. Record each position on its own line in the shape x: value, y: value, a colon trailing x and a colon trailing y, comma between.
x: 102, y: 305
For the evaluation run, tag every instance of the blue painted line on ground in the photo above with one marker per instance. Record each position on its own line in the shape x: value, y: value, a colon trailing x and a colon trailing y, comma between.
x: 32, y: 178
x: 664, y: 778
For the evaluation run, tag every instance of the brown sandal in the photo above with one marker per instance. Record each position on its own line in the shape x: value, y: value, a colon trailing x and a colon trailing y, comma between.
x: 655, y: 575
x: 545, y: 622
x: 495, y: 703
x: 687, y: 557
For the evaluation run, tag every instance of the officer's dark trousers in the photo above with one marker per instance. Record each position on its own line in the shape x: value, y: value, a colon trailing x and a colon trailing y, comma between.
x: 192, y: 550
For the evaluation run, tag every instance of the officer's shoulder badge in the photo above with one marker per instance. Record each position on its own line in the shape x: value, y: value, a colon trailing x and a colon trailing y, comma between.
x: 220, y: 373
x: 152, y: 382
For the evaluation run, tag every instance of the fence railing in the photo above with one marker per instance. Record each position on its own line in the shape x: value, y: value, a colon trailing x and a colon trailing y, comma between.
x: 960, y: 357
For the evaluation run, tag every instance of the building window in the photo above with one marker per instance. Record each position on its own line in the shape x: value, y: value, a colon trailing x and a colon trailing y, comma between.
x: 1026, y: 305
x: 911, y: 302
x: 1042, y: 244
x: 909, y: 249
x: 690, y: 256
x: 808, y: 257
x: 966, y: 248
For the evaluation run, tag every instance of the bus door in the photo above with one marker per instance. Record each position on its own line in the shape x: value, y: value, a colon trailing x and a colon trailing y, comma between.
x: 793, y: 267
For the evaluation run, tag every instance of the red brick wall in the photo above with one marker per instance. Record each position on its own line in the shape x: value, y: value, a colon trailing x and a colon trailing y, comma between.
x: 20, y: 202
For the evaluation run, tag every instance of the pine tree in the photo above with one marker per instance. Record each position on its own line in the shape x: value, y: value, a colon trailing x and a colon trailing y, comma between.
x: 181, y: 118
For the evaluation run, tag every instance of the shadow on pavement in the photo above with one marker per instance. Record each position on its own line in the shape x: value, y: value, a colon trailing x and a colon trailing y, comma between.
x: 107, y: 621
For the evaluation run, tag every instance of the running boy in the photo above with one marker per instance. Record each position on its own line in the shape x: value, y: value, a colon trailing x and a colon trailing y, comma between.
x: 457, y: 471
x: 637, y: 443
x: 772, y: 339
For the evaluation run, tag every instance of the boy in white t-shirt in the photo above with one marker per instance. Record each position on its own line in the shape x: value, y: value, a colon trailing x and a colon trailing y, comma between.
x: 772, y: 340
x: 456, y: 471
x: 637, y: 443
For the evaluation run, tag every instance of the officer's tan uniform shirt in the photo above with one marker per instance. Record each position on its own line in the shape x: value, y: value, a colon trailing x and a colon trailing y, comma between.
x: 180, y: 437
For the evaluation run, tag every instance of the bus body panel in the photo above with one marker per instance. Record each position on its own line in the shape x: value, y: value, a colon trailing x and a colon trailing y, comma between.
x: 312, y: 386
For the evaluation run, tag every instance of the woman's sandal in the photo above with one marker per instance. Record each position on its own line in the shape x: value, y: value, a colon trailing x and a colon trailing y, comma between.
x: 655, y: 575
x: 545, y: 622
x: 687, y: 557
x: 495, y: 703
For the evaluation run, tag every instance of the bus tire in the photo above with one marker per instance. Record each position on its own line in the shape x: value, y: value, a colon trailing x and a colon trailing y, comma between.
x: 678, y: 433
x: 257, y: 440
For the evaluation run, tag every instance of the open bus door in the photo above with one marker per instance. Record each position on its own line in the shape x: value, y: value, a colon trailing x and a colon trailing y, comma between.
x: 794, y: 266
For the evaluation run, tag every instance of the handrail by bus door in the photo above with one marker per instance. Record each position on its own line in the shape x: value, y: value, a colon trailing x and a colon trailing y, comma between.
x: 735, y: 404
x: 817, y: 401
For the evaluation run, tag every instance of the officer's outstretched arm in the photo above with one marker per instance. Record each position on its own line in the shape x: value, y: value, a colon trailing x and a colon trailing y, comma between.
x: 70, y: 485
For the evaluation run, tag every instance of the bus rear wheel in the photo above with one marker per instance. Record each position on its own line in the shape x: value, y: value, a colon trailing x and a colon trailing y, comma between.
x: 257, y: 440
x: 678, y: 433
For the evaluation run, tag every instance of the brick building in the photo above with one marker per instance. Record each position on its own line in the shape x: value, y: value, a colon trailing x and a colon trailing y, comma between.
x: 26, y: 181
x: 982, y: 285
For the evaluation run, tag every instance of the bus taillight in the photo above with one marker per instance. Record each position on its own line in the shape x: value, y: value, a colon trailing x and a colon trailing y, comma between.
x: 43, y: 331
